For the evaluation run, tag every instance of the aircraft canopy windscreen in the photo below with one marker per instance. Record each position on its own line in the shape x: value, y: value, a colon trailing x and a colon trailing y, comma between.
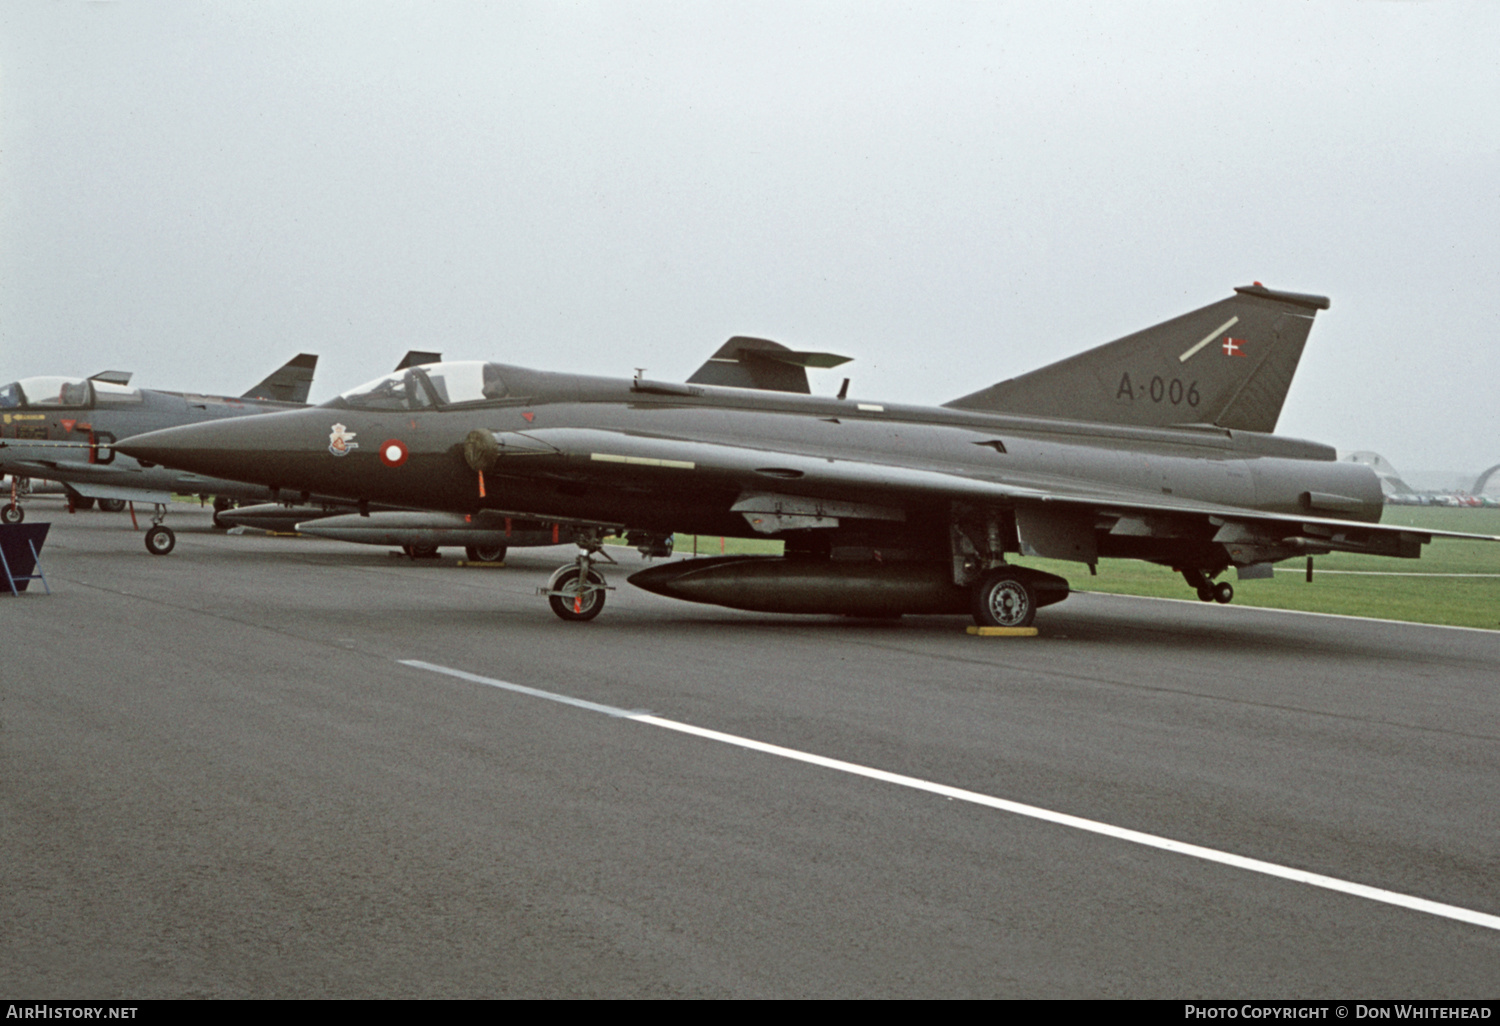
x: 64, y: 393
x: 434, y: 384
x: 52, y: 392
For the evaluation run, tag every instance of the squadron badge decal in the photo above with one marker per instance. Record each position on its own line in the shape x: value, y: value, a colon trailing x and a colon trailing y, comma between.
x: 338, y: 441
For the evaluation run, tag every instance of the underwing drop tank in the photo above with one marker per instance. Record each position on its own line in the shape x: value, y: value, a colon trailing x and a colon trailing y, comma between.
x: 426, y: 530
x: 778, y: 584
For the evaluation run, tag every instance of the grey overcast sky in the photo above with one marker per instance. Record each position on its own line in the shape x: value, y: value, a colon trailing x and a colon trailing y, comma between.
x: 951, y: 193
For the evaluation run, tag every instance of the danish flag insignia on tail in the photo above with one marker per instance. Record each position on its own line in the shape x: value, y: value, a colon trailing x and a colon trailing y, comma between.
x: 1234, y: 347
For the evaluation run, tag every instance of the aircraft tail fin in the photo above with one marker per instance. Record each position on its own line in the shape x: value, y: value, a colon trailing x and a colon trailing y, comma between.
x: 417, y: 357
x: 290, y: 383
x: 1229, y: 363
x: 745, y: 362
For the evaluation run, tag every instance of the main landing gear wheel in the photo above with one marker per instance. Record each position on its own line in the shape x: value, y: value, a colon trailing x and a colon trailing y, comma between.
x: 420, y: 551
x: 1003, y: 599
x: 485, y: 553
x: 112, y: 505
x: 12, y: 513
x: 160, y: 540
x: 1223, y: 593
x: 582, y: 597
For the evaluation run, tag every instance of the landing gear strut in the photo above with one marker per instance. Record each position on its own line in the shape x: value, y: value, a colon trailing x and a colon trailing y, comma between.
x: 1000, y: 594
x: 11, y: 512
x: 576, y: 590
x: 1208, y: 591
x: 159, y: 537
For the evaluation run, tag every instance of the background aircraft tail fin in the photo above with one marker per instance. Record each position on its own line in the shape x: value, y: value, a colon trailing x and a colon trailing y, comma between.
x: 1229, y: 363
x: 417, y: 357
x: 290, y: 383
x: 745, y: 362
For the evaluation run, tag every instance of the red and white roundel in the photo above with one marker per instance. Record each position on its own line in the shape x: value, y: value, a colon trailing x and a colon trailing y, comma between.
x: 393, y: 452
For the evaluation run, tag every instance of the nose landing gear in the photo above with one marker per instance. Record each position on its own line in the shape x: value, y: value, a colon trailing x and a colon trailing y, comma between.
x: 576, y: 590
x: 160, y: 539
x: 11, y: 512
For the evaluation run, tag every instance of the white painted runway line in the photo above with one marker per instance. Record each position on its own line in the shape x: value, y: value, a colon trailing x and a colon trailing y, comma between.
x: 1243, y: 608
x: 1224, y: 858
x: 1375, y: 573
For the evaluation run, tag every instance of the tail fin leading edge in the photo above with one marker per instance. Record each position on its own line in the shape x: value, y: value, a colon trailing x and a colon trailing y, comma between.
x: 290, y: 383
x: 1229, y: 363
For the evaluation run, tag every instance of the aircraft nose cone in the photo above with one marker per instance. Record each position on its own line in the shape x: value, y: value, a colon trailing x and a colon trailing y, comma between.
x: 259, y: 449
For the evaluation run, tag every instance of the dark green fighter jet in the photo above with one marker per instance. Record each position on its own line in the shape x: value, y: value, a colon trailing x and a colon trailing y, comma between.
x: 1157, y: 446
x: 64, y: 428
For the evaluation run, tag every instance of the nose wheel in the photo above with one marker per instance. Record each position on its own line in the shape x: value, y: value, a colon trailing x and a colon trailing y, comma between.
x: 576, y: 590
x: 160, y: 539
x: 11, y: 512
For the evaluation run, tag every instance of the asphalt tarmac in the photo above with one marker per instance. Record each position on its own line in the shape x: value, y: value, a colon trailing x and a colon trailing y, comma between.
x: 222, y: 775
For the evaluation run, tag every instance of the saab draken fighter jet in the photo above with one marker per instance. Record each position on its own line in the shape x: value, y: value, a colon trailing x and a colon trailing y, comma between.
x: 63, y: 429
x: 1157, y: 446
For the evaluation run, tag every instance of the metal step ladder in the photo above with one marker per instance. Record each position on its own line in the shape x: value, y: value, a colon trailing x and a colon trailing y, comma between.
x: 17, y: 542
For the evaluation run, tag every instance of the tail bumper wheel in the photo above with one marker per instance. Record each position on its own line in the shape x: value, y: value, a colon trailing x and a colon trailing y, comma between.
x: 160, y: 540
x: 1002, y: 598
x: 580, y: 599
x: 12, y: 513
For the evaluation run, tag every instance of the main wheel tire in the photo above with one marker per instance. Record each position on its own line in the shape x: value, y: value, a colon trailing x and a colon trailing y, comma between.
x: 1223, y: 593
x: 485, y: 553
x: 1003, y: 598
x: 81, y: 502
x: 1206, y: 593
x: 112, y: 505
x: 160, y: 540
x: 584, y: 606
x: 12, y: 514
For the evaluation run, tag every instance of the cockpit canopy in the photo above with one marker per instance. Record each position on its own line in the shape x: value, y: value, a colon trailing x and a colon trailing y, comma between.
x: 64, y: 393
x: 429, y: 386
